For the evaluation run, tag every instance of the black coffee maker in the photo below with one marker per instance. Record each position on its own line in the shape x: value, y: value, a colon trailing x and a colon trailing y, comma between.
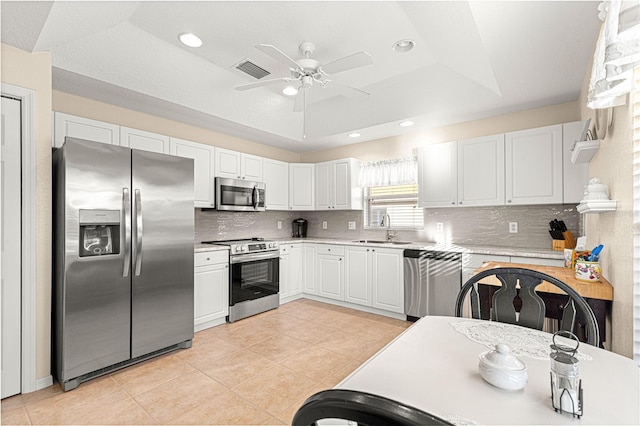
x: 299, y: 228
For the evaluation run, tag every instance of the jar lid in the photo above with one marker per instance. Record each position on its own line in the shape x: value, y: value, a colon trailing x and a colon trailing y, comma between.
x: 502, y: 359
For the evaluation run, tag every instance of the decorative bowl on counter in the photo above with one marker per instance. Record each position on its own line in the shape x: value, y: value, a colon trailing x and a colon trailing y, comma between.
x: 588, y: 271
x: 501, y: 369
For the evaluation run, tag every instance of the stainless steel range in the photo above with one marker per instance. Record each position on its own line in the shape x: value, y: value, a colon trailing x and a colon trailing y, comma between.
x: 254, y: 277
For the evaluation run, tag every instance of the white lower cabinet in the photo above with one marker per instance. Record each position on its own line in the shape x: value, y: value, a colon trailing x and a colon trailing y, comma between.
x: 387, y: 279
x: 309, y: 269
x: 358, y: 271
x: 374, y: 276
x: 330, y: 271
x: 211, y: 289
x: 291, y: 269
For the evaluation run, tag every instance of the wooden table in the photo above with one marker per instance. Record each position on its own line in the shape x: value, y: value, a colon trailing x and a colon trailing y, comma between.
x: 598, y: 295
x: 433, y: 367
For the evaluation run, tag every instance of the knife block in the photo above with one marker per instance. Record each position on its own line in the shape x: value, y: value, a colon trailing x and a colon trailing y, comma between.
x: 568, y: 243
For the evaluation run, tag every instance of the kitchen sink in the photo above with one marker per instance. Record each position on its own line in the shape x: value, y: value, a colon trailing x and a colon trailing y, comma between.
x: 382, y: 242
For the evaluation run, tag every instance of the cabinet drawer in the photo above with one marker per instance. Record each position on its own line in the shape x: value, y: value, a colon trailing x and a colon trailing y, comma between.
x: 330, y: 249
x: 286, y: 248
x: 476, y: 260
x: 211, y: 258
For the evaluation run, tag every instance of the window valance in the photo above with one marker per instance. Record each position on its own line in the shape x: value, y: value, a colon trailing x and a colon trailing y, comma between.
x: 398, y: 171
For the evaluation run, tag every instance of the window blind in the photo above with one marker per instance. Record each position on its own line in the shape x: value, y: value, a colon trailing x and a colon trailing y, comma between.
x: 400, y: 202
x: 636, y: 217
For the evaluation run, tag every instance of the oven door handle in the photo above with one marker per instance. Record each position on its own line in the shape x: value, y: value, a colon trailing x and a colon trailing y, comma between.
x: 252, y: 257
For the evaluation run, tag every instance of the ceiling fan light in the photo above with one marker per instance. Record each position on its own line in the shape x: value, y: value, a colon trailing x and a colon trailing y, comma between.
x: 406, y: 123
x: 403, y: 46
x: 290, y: 91
x: 190, y: 39
x: 354, y: 135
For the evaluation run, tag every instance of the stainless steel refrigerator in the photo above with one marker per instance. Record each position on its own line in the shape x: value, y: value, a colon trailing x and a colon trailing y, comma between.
x: 123, y: 257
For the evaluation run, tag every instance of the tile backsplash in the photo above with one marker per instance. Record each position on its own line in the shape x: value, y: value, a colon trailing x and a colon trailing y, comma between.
x: 463, y: 225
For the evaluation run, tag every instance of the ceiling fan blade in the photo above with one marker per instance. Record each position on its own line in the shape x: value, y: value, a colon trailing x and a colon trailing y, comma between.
x: 299, y: 101
x: 346, y: 63
x: 278, y: 55
x: 348, y: 91
x: 263, y: 83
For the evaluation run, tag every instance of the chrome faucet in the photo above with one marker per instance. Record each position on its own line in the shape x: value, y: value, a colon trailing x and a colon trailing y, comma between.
x: 386, y: 221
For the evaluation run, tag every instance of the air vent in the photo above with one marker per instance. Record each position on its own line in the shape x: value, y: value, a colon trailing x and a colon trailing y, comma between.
x: 252, y: 69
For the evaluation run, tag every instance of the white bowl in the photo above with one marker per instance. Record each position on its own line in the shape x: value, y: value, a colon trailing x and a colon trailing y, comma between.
x: 502, y: 369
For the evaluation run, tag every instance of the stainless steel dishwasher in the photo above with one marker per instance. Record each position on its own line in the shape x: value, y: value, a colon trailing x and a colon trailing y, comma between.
x: 432, y: 280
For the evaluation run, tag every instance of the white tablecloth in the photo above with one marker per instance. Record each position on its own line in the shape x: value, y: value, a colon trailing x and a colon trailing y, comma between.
x: 433, y: 367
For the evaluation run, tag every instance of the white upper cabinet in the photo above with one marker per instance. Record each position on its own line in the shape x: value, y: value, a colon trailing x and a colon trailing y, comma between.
x: 203, y: 160
x: 438, y: 175
x: 237, y: 165
x: 301, y: 187
x: 481, y: 171
x: 575, y: 176
x: 145, y: 141
x: 337, y: 185
x: 534, y: 166
x: 83, y: 128
x: 275, y: 175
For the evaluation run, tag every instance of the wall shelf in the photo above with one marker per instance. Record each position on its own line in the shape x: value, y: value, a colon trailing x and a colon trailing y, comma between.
x: 596, y: 206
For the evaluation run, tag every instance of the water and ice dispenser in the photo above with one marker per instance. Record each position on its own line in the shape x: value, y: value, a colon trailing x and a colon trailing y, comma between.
x: 99, y: 232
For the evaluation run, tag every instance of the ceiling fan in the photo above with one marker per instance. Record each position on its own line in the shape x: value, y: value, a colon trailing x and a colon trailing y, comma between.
x: 307, y: 71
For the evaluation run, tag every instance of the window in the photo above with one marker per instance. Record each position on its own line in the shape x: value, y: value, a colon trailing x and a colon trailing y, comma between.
x: 400, y: 202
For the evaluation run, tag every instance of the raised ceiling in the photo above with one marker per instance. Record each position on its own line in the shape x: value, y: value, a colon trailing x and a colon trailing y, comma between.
x: 472, y: 60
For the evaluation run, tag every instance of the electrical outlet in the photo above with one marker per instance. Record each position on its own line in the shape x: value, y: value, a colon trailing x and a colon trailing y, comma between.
x: 513, y: 227
x: 352, y: 224
x: 324, y: 224
x: 279, y: 224
x: 439, y: 227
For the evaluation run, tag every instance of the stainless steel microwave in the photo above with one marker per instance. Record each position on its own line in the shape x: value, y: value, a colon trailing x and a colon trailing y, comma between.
x: 239, y: 195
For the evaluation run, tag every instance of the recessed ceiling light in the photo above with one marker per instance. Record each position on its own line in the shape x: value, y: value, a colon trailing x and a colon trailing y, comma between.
x: 354, y: 135
x: 403, y: 46
x: 189, y: 39
x: 290, y: 91
x: 406, y: 123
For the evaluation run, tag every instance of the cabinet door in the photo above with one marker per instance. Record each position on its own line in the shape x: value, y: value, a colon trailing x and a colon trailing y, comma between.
x: 575, y: 176
x: 227, y: 164
x: 285, y: 274
x: 534, y: 166
x: 323, y: 186
x: 357, y: 275
x: 211, y: 294
x: 330, y: 270
x: 388, y: 280
x: 481, y: 171
x: 438, y: 175
x: 309, y: 268
x: 251, y: 167
x: 275, y: 174
x: 301, y: 187
x: 296, y: 269
x: 342, y: 185
x: 145, y: 141
x: 203, y: 158
x: 83, y: 128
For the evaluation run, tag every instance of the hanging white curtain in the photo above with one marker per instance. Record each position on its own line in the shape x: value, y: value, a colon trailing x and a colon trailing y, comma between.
x: 398, y: 171
x: 617, y: 54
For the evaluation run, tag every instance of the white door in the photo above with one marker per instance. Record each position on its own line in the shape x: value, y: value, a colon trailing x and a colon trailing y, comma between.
x: 438, y: 175
x: 10, y: 236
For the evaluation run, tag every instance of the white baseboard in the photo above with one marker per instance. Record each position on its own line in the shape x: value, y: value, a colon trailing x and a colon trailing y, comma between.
x: 44, y: 382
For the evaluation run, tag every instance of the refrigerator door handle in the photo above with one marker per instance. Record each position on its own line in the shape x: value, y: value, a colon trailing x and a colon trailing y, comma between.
x: 126, y: 207
x: 138, y: 236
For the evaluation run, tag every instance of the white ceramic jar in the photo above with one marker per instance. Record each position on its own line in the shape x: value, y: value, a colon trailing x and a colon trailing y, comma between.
x: 500, y: 368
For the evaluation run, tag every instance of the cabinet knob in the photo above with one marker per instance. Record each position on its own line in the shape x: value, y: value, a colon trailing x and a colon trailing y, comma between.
x: 453, y: 203
x: 508, y: 201
x: 226, y: 266
x: 460, y: 202
x: 208, y: 258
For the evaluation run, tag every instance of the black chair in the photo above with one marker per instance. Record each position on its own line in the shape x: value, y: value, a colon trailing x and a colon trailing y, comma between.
x: 361, y: 407
x: 532, y: 311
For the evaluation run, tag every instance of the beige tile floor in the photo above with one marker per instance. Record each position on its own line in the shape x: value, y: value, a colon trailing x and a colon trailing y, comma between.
x: 257, y: 371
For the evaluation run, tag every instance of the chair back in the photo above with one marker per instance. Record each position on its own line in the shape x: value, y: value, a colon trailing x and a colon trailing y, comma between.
x: 364, y: 408
x: 522, y: 283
